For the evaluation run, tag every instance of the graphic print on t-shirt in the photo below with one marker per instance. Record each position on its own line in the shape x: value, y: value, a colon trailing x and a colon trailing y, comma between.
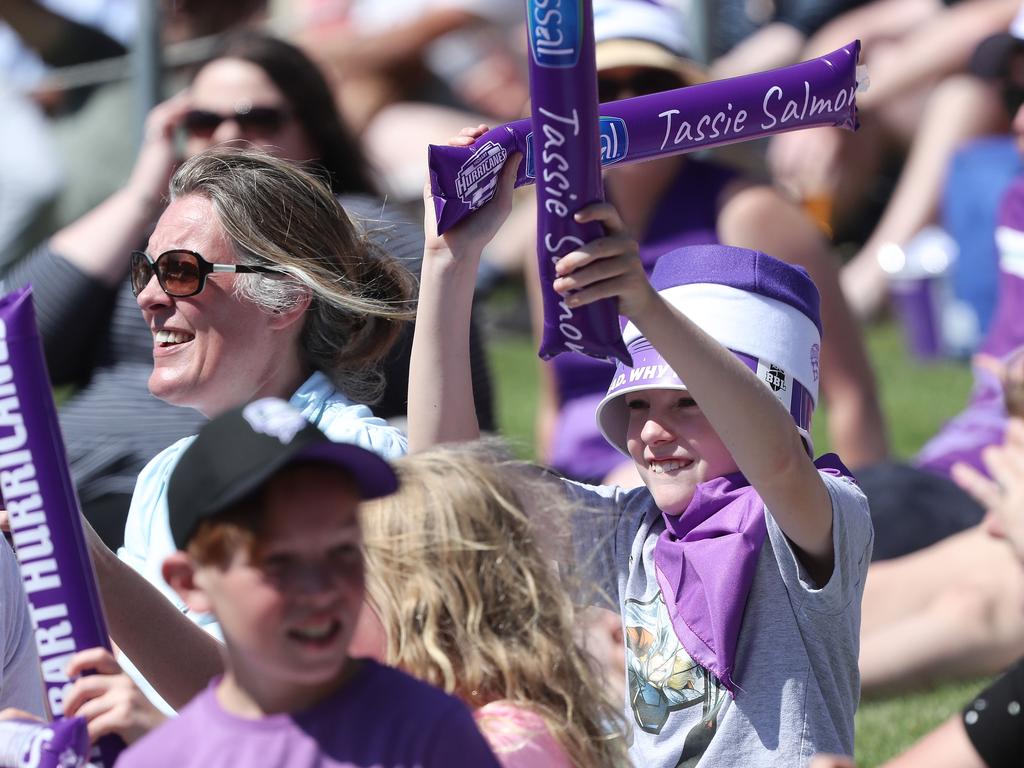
x: 662, y: 677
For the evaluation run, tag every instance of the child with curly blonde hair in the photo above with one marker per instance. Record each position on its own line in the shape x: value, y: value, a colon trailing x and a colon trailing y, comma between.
x: 466, y: 598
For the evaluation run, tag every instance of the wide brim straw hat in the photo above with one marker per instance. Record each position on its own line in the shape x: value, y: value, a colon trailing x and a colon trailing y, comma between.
x: 636, y: 33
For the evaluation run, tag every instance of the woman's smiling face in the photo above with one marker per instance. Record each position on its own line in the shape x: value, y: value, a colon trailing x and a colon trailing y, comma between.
x: 213, y: 350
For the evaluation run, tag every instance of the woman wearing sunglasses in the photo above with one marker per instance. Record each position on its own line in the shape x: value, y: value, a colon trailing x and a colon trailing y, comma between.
x: 256, y: 91
x: 254, y: 283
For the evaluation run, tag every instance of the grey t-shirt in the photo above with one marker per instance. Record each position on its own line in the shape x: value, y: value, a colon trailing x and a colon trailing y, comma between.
x: 796, y: 660
x: 21, y: 681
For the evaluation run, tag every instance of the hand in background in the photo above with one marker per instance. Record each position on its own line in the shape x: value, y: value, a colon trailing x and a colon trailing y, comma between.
x: 1002, y: 494
x: 805, y: 163
x: 158, y: 156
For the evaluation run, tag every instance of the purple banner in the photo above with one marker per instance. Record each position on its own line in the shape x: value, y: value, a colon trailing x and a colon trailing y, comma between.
x: 43, y: 509
x: 563, y: 95
x: 813, y: 93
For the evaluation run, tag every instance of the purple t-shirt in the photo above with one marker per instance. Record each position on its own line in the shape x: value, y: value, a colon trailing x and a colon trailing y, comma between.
x: 983, y: 422
x: 1006, y: 331
x: 382, y: 718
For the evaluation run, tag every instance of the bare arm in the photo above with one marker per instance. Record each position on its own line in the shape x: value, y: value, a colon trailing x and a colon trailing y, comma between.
x: 752, y: 423
x: 99, y: 242
x: 871, y: 23
x: 547, y: 395
x: 171, y: 652
x: 441, y: 405
x: 939, y: 47
x: 58, y: 40
x: 773, y: 45
x: 945, y: 747
x: 759, y: 217
x: 366, y: 53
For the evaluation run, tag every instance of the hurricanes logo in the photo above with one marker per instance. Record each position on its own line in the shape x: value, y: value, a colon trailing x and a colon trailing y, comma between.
x: 478, y: 176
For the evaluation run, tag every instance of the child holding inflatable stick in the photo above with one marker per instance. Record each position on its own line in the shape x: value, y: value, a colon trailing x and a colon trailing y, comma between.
x: 738, y: 569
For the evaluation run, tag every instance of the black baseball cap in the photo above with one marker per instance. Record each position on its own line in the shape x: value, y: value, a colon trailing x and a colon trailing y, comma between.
x: 991, y: 57
x: 238, y: 451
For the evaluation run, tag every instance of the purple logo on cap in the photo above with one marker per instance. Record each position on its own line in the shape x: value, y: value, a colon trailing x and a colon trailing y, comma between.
x: 275, y: 418
x: 815, y: 358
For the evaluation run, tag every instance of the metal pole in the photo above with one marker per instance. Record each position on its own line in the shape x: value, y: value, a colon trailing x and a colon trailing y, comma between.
x: 700, y: 29
x: 147, y: 62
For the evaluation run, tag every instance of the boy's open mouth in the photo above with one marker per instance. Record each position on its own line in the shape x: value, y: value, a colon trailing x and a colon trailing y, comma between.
x: 318, y: 634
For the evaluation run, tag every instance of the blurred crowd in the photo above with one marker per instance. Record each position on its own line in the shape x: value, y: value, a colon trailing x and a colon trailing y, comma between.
x: 918, y: 216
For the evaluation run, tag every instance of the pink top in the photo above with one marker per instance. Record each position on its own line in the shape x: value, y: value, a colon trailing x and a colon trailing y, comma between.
x: 519, y: 737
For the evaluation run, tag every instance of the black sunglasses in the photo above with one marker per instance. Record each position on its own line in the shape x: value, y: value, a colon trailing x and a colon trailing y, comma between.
x: 641, y: 83
x: 180, y: 273
x: 252, y: 121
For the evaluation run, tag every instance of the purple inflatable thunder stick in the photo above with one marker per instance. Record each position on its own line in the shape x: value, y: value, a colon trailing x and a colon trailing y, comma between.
x: 43, y: 509
x: 813, y: 93
x: 563, y: 95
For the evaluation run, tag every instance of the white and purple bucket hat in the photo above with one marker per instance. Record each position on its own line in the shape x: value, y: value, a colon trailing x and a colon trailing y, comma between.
x: 766, y: 312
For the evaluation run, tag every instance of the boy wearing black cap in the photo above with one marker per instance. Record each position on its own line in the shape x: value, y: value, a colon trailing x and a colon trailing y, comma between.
x: 263, y: 509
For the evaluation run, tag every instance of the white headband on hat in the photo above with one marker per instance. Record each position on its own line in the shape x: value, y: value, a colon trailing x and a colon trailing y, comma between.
x: 782, y: 338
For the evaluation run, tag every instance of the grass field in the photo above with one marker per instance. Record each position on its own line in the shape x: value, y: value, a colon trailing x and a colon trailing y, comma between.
x: 916, y: 398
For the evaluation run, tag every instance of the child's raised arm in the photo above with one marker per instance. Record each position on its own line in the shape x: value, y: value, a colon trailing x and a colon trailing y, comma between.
x: 751, y: 422
x: 441, y: 408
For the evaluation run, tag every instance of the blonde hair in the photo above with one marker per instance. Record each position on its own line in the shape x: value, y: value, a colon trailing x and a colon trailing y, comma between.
x: 278, y: 215
x: 469, y: 602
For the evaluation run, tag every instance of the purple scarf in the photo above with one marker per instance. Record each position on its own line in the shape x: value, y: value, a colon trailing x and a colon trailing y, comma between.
x: 705, y: 561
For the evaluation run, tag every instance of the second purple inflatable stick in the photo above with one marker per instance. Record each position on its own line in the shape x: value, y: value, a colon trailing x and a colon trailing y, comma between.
x: 44, y: 514
x: 563, y: 95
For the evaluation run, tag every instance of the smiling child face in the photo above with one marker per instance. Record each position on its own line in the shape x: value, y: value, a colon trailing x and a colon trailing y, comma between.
x: 673, y: 446
x: 289, y: 609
